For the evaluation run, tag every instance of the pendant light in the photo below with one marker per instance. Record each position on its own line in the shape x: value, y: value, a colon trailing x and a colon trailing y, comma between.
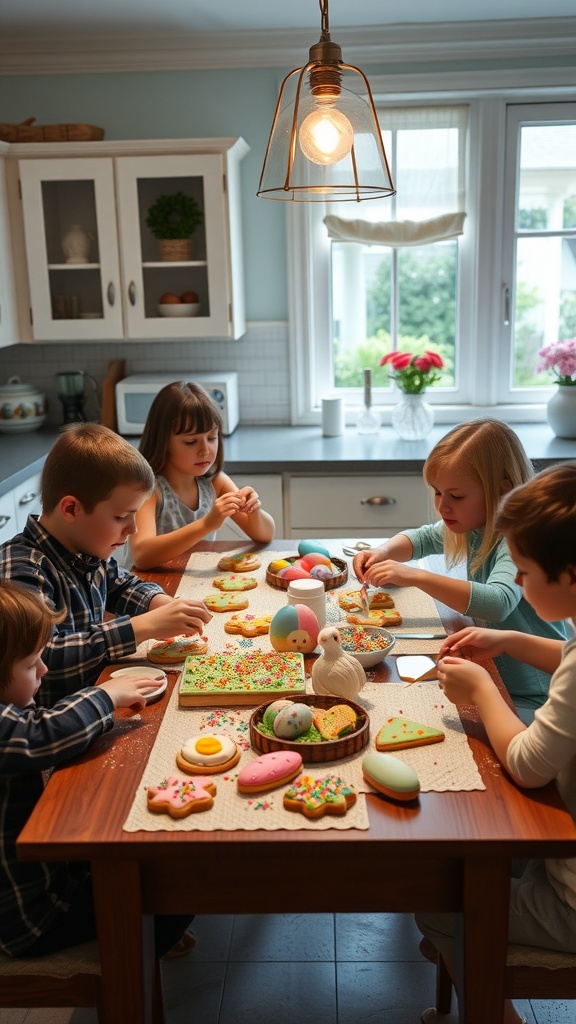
x: 325, y: 142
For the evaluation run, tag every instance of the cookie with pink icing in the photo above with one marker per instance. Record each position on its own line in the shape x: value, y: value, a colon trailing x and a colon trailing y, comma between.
x: 269, y: 771
x: 179, y: 795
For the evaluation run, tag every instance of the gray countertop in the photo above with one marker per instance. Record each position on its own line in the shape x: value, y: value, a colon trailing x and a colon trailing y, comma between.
x: 297, y: 450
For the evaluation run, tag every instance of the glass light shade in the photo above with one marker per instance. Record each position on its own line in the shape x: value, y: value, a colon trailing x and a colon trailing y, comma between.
x: 326, y: 135
x: 360, y: 172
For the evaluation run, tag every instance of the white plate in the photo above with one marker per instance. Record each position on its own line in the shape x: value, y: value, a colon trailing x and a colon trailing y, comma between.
x: 414, y: 667
x: 156, y: 676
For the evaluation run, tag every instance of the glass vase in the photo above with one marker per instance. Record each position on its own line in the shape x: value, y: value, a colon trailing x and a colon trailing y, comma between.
x: 561, y: 411
x: 368, y: 417
x: 412, y: 418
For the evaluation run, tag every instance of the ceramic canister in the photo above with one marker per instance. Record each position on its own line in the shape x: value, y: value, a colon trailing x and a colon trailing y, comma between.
x: 312, y: 594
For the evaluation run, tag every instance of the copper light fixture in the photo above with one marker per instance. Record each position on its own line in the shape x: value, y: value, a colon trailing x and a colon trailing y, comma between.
x: 325, y: 142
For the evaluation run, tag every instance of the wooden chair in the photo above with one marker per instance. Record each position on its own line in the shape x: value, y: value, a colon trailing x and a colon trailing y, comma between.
x: 69, y: 978
x: 531, y: 973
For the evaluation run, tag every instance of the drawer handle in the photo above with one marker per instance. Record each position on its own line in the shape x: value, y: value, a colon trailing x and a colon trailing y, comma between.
x: 27, y: 498
x: 378, y: 500
x: 4, y: 520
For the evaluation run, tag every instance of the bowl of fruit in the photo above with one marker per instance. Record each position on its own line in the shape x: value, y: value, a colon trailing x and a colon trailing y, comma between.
x: 187, y: 304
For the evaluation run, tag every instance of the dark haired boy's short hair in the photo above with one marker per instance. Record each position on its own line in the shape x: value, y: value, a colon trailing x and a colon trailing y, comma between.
x: 89, y: 461
x: 539, y: 517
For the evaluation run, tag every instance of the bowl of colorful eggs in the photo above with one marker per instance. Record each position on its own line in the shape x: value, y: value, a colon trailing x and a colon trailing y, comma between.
x: 368, y: 644
x: 291, y: 725
x: 313, y: 561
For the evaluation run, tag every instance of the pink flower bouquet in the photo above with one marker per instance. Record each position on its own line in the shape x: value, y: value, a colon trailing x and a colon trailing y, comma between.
x: 561, y: 358
x: 413, y: 374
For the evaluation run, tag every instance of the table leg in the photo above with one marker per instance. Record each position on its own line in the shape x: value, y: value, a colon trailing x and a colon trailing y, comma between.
x: 482, y: 940
x: 125, y: 942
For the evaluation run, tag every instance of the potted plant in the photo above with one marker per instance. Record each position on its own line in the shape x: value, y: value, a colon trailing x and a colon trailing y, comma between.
x: 172, y: 219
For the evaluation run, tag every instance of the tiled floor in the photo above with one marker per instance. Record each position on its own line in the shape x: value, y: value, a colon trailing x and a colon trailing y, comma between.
x: 316, y: 969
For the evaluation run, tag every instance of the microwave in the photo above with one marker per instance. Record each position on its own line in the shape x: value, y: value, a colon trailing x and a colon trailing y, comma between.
x: 135, y: 394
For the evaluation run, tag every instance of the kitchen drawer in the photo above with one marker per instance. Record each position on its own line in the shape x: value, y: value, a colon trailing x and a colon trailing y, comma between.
x: 269, y: 489
x: 27, y: 500
x: 363, y: 505
x: 7, y: 517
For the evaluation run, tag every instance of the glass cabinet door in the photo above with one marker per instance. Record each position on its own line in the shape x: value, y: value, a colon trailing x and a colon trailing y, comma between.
x: 173, y: 291
x: 69, y: 214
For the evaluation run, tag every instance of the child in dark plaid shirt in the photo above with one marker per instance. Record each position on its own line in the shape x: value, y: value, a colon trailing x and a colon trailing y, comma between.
x: 93, y: 483
x: 47, y: 907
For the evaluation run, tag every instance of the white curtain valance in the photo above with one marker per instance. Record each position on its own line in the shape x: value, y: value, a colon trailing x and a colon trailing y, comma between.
x: 396, y: 233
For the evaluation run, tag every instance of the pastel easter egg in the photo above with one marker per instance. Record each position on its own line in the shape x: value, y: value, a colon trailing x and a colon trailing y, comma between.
x: 321, y: 572
x: 294, y: 573
x: 306, y: 547
x: 294, y: 628
x: 293, y: 721
x: 314, y: 558
x: 273, y: 710
x: 390, y: 776
x: 279, y: 564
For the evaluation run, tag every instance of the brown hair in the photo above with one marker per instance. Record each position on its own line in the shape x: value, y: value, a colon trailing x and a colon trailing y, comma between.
x: 26, y: 625
x: 89, y: 461
x: 180, y: 408
x: 489, y: 452
x: 540, y: 519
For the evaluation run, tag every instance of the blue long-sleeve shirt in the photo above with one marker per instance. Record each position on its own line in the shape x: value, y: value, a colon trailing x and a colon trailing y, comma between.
x: 86, y: 587
x: 497, y: 601
x: 34, y: 896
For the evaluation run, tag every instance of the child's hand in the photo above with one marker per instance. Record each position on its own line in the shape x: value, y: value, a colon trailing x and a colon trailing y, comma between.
x: 475, y: 644
x: 225, y: 506
x: 396, y: 574
x: 251, y: 500
x: 128, y: 691
x: 173, y: 618
x: 462, y: 681
x: 364, y: 560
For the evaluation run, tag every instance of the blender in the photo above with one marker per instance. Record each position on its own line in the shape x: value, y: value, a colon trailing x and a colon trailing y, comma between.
x: 70, y: 387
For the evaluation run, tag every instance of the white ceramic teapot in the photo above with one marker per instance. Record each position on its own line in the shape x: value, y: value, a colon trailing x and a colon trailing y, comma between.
x: 22, y: 406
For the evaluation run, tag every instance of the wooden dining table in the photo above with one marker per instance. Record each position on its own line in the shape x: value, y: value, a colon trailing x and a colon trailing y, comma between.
x: 445, y: 851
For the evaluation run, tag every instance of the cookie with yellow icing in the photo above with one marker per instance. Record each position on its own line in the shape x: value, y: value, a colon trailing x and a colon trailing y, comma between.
x: 246, y: 562
x: 248, y: 625
x: 377, y: 617
x: 351, y: 600
x: 206, y: 754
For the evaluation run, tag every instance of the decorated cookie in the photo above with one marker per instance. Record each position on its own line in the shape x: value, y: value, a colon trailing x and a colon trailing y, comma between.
x: 269, y: 771
x: 390, y: 776
x: 315, y: 797
x: 397, y: 733
x: 247, y: 562
x: 225, y: 602
x: 334, y: 722
x: 177, y: 648
x: 351, y: 600
x: 377, y: 617
x: 179, y: 796
x: 231, y: 582
x: 248, y: 625
x: 206, y: 754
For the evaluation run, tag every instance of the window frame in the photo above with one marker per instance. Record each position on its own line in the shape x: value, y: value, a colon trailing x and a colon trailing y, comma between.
x: 481, y: 254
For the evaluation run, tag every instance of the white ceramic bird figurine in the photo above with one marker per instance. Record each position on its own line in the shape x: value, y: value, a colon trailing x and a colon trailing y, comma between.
x: 336, y: 673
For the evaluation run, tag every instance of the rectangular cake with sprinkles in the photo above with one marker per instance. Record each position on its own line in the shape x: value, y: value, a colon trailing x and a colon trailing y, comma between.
x: 209, y: 680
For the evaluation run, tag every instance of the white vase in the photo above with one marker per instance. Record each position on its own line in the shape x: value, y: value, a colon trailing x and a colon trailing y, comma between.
x: 412, y: 418
x: 76, y: 245
x: 561, y: 411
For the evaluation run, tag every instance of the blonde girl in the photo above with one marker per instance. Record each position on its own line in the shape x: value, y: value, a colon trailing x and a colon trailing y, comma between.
x: 469, y: 471
x: 193, y: 497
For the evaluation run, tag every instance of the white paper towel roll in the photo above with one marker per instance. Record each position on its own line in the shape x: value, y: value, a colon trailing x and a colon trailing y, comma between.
x: 332, y: 417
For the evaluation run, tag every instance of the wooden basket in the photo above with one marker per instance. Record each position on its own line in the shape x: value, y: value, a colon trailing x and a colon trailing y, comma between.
x: 329, y: 584
x: 27, y: 131
x: 314, y: 753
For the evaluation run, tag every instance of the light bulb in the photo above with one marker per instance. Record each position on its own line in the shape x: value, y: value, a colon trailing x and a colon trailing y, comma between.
x: 326, y: 136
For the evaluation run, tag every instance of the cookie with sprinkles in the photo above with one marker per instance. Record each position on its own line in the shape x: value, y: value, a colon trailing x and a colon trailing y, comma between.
x: 315, y: 797
x: 233, y: 582
x: 179, y: 795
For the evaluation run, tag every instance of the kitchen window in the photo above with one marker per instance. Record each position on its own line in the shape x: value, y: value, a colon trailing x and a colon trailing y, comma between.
x: 474, y: 257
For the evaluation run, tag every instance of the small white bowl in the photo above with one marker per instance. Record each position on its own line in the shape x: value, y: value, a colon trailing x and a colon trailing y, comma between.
x: 158, y: 679
x: 178, y: 308
x: 368, y: 659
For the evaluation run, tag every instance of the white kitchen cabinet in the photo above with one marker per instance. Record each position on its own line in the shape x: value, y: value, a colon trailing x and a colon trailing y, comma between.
x: 355, y: 506
x: 105, y: 190
x: 27, y: 500
x: 269, y: 489
x: 7, y: 517
x: 8, y: 321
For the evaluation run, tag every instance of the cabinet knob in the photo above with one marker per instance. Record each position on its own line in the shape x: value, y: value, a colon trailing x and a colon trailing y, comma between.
x: 4, y: 520
x: 27, y: 498
x: 378, y: 499
x: 132, y: 293
x: 111, y: 294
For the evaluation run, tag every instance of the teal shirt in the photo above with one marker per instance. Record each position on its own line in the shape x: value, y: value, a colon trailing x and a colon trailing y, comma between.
x: 497, y: 601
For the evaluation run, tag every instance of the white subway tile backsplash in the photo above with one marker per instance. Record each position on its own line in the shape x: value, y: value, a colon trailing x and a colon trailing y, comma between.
x: 260, y: 359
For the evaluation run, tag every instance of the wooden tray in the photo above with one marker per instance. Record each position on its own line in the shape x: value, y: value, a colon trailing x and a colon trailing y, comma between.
x: 27, y: 131
x: 331, y: 584
x: 314, y: 753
